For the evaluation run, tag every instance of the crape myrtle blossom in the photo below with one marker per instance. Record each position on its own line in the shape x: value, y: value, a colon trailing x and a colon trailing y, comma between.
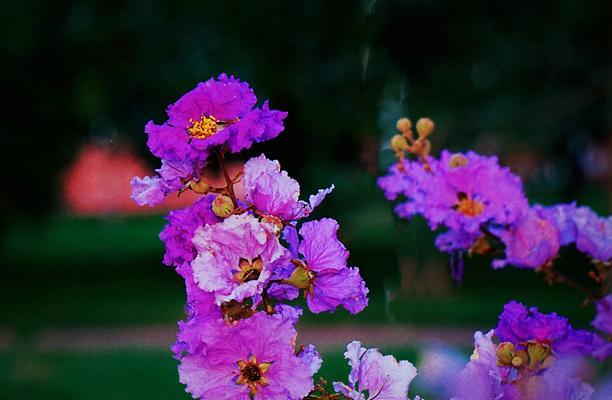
x: 538, y: 357
x: 486, y: 378
x: 218, y: 114
x: 254, y: 359
x: 603, y: 322
x: 530, y: 242
x: 518, y: 324
x: 273, y: 193
x: 322, y: 272
x: 591, y: 233
x: 242, y: 257
x: 374, y: 376
x: 236, y: 257
x: 459, y: 191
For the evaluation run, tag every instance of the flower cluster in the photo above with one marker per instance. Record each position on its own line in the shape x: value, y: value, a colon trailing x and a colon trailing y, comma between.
x: 537, y: 356
x: 243, y: 258
x: 483, y: 209
x: 482, y: 204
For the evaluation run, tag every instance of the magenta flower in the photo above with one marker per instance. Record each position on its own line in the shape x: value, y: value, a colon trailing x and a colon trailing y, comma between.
x: 179, y: 231
x: 381, y: 377
x: 255, y: 359
x: 531, y: 241
x: 149, y: 190
x: 595, y: 237
x: 603, y: 322
x: 323, y: 273
x: 591, y: 233
x: 486, y: 377
x: 519, y: 325
x: 274, y: 193
x: 236, y: 257
x: 603, y: 319
x: 482, y: 377
x: 218, y: 111
x: 462, y: 191
x: 202, y: 327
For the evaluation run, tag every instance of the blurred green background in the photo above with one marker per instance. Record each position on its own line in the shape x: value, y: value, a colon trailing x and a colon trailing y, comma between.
x: 528, y: 81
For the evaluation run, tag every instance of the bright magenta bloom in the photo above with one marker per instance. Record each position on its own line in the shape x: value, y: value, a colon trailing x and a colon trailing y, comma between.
x: 253, y: 359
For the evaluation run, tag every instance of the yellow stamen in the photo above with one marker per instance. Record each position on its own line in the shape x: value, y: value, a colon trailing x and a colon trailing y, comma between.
x: 252, y: 374
x: 248, y: 270
x: 468, y: 206
x: 203, y: 128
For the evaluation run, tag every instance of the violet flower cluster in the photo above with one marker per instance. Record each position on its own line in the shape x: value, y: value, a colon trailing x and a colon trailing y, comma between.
x: 483, y: 209
x: 529, y: 355
x: 244, y: 258
x: 477, y: 201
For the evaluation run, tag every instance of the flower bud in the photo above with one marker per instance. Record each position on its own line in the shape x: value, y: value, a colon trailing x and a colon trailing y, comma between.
x: 458, y: 160
x: 424, y: 127
x: 403, y: 125
x: 223, y: 206
x: 399, y: 143
x: 200, y: 187
x: 301, y: 277
x: 505, y: 353
x: 274, y: 220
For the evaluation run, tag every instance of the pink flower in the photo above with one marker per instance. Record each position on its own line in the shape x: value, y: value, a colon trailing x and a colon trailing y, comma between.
x: 255, y: 359
x: 530, y: 242
x: 382, y: 377
x: 236, y: 257
x: 273, y: 192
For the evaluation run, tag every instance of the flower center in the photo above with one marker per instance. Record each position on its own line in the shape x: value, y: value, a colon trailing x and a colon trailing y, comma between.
x: 249, y: 270
x: 203, y: 128
x: 468, y: 206
x: 252, y: 374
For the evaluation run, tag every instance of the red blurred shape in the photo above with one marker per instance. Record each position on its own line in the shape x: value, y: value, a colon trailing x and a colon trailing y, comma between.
x: 98, y: 183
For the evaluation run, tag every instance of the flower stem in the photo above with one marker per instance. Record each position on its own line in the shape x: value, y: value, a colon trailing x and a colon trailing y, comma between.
x: 228, y: 180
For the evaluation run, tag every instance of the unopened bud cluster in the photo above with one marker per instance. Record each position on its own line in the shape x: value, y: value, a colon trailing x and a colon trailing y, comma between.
x: 406, y: 142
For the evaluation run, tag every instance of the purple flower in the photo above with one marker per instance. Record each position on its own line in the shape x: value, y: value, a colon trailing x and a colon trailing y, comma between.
x: 603, y: 319
x: 382, y: 377
x: 481, y: 379
x: 456, y: 240
x: 311, y: 359
x: 531, y: 242
x: 217, y: 112
x: 323, y: 273
x: 274, y: 193
x: 149, y: 190
x: 563, y: 216
x: 179, y: 231
x: 202, y: 327
x: 591, y: 233
x: 487, y: 377
x: 253, y: 359
x: 519, y: 325
x: 402, y: 179
x: 462, y: 191
x: 236, y: 257
x: 603, y: 322
x: 595, y: 237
